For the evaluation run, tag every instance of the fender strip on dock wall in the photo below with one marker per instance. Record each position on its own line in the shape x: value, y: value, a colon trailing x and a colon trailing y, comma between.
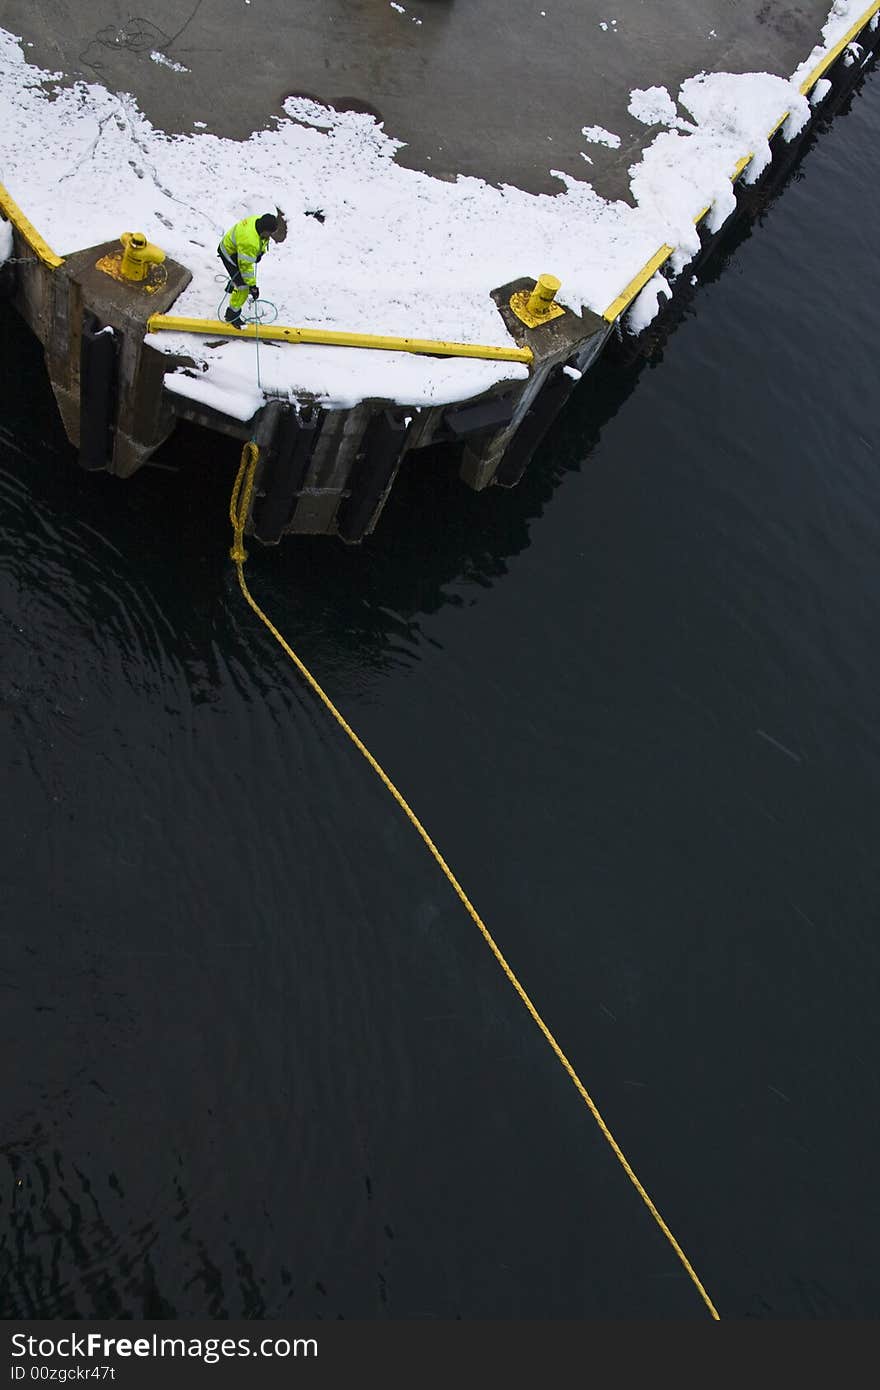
x: 284, y: 469
x: 638, y: 282
x: 98, y: 385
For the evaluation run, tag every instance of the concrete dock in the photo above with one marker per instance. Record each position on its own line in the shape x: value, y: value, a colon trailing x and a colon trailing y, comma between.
x: 496, y: 89
x: 500, y: 90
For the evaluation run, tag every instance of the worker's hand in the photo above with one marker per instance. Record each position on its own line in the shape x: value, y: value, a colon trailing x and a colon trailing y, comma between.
x: 255, y: 291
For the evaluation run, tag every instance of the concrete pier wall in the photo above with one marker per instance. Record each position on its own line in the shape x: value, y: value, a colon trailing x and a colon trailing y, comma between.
x: 61, y: 305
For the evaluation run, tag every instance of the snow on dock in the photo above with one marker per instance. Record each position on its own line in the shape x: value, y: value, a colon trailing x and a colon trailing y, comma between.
x: 449, y: 146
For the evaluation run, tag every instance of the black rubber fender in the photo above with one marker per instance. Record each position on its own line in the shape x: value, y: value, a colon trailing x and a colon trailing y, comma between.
x: 98, y: 387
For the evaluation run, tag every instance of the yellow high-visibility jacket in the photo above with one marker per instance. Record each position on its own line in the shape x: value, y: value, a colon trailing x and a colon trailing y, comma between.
x: 244, y: 244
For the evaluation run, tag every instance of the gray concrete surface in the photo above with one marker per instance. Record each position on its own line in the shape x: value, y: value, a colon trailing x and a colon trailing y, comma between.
x: 499, y: 89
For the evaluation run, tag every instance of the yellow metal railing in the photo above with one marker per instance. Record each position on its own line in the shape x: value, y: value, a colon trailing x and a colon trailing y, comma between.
x: 834, y: 53
x: 328, y: 337
x: 13, y: 213
x: 638, y: 282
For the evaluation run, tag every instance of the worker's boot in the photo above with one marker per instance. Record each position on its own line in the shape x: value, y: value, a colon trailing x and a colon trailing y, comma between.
x: 234, y: 317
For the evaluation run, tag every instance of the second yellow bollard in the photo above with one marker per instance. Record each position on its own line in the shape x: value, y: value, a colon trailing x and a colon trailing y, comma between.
x: 541, y: 299
x: 138, y: 255
x: 536, y: 306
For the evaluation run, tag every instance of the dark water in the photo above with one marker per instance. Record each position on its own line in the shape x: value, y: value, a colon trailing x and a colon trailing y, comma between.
x: 259, y: 1061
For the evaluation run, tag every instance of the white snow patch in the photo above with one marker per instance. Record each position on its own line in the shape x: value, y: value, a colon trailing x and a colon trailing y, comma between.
x: 84, y: 163
x: 842, y: 16
x: 6, y: 244
x: 654, y: 106
x: 820, y: 91
x: 598, y: 135
x: 164, y: 62
x: 220, y: 393
x: 745, y: 109
x: 646, y: 304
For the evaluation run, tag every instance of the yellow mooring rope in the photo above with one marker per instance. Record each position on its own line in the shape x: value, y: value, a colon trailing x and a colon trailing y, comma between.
x: 239, y: 504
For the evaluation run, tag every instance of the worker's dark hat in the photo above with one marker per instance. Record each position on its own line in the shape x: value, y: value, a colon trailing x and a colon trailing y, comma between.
x: 272, y: 224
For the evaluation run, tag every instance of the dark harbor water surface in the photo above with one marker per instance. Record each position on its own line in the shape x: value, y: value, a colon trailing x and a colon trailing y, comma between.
x: 259, y: 1060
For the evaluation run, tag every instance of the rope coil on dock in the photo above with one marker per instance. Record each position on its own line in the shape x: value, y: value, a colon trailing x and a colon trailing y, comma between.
x: 239, y: 507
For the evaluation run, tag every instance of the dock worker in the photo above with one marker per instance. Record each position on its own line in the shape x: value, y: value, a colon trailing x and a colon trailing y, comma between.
x: 240, y: 248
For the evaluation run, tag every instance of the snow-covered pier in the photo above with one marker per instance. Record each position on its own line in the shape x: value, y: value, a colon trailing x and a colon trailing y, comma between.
x: 433, y: 159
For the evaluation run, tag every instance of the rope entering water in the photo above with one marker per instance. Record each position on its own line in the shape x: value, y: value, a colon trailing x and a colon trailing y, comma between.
x: 239, y: 507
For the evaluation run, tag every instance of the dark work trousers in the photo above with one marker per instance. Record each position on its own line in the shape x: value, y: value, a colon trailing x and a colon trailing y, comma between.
x: 231, y: 267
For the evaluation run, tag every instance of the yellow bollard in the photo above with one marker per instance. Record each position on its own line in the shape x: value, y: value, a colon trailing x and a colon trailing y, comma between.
x: 536, y: 306
x: 541, y: 299
x: 138, y: 255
